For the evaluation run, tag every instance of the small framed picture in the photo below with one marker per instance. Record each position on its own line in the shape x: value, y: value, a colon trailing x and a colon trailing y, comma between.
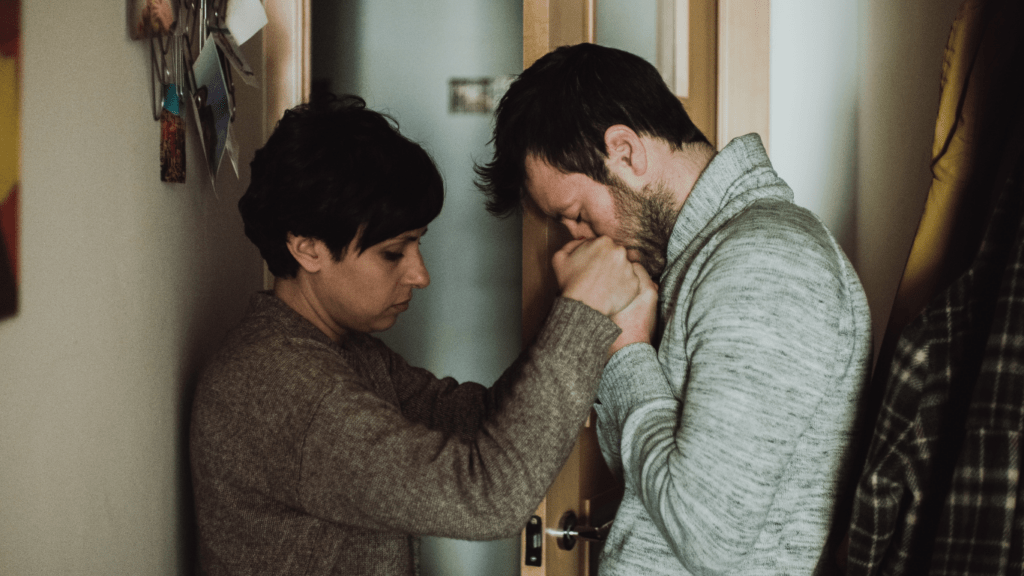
x: 476, y: 95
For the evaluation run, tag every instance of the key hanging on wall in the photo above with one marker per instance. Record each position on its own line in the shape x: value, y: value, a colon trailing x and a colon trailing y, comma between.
x: 163, y: 24
x: 190, y: 73
x: 172, y: 121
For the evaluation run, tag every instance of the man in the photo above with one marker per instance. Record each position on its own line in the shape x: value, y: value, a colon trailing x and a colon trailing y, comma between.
x: 732, y: 434
x: 315, y: 448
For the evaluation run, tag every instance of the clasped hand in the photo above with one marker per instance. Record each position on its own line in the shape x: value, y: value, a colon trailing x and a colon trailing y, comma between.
x: 598, y: 273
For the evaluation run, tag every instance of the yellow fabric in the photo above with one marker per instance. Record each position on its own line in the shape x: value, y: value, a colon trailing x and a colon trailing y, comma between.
x: 953, y: 158
x: 9, y: 130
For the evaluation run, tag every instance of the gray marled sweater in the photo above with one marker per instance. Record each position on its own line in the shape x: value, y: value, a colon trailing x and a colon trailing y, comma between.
x: 732, y: 436
x: 315, y: 457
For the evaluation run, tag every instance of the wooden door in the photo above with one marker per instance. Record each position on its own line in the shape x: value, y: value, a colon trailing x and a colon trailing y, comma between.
x: 548, y: 24
x: 726, y: 96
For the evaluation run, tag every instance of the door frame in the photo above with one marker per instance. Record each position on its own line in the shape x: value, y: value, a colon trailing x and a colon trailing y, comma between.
x: 286, y: 67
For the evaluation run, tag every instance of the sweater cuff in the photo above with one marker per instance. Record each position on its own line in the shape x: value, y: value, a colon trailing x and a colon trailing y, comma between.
x: 632, y: 376
x: 571, y: 321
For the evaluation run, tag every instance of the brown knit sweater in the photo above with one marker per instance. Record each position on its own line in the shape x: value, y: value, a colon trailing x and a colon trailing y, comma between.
x: 315, y: 457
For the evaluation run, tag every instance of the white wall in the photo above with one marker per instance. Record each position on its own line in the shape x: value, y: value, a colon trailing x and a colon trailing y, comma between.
x: 127, y: 285
x: 854, y: 94
x: 813, y: 107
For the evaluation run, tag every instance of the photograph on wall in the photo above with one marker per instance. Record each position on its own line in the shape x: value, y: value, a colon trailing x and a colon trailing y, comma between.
x: 10, y: 154
x: 210, y: 103
x: 150, y: 18
x: 476, y: 95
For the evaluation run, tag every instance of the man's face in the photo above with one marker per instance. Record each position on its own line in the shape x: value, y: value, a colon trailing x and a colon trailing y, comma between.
x: 367, y: 291
x: 639, y: 220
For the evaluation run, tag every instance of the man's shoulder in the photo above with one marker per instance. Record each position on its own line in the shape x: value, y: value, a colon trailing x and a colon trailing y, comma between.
x: 771, y: 251
x: 779, y: 220
x: 773, y: 232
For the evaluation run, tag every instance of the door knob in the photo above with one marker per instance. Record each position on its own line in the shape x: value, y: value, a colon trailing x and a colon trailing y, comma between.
x: 568, y: 531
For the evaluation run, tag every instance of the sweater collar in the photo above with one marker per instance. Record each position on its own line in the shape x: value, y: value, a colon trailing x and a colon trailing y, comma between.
x: 738, y: 169
x: 266, y: 304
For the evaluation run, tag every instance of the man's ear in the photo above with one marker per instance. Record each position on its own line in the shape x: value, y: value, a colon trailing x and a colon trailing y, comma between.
x: 626, y: 153
x: 308, y: 252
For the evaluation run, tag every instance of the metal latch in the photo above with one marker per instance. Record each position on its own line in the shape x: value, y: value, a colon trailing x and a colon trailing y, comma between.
x: 568, y: 531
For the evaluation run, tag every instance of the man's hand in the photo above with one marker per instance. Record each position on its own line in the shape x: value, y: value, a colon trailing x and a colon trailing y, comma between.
x: 638, y: 319
x: 597, y: 273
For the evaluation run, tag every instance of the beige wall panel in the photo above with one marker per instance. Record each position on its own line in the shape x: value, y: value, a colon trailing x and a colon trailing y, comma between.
x: 743, y: 69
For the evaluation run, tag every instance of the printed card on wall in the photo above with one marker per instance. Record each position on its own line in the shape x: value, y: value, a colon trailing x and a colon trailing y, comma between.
x: 210, y: 103
x: 150, y: 18
x: 10, y: 154
x: 244, y: 18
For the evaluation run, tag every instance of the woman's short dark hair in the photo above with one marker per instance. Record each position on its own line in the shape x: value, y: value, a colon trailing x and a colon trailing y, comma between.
x: 330, y: 169
x: 559, y: 108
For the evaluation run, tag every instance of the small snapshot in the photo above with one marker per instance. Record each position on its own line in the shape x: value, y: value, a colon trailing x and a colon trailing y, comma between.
x: 476, y: 95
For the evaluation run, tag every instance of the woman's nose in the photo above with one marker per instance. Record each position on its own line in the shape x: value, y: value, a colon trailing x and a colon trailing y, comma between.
x: 418, y: 276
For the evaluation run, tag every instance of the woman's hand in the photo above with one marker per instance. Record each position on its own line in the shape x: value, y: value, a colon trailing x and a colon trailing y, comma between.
x: 597, y: 273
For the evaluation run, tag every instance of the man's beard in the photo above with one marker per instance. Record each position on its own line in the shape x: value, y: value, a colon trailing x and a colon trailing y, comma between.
x: 646, y: 219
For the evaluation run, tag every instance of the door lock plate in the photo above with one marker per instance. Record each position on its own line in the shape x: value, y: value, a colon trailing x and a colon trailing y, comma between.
x: 534, y: 548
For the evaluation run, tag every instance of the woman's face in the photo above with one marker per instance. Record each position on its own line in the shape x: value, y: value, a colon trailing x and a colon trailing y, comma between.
x: 367, y: 291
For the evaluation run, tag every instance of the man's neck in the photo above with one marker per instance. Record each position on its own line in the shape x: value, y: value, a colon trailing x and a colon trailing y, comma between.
x: 688, y: 164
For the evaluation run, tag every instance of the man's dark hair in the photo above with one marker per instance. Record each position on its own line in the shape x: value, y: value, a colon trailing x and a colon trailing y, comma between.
x: 559, y: 108
x: 331, y: 168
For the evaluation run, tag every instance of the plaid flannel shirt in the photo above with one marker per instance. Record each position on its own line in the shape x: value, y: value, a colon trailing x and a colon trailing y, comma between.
x: 940, y: 488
